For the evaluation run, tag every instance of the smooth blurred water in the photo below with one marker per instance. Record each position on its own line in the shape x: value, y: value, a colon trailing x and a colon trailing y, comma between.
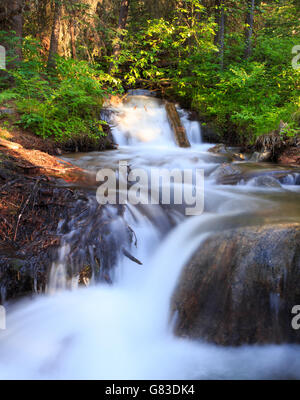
x: 123, y: 331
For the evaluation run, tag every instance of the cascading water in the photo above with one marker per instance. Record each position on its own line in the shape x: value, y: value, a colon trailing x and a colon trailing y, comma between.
x: 123, y: 331
x: 132, y: 122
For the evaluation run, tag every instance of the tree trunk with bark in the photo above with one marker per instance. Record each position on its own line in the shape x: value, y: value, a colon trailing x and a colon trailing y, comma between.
x: 124, y: 9
x: 55, y: 34
x: 11, y: 21
x: 177, y: 126
x: 220, y: 36
x: 73, y: 38
x: 249, y: 28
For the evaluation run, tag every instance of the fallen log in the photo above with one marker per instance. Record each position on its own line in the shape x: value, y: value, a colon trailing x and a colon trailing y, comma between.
x: 176, y: 125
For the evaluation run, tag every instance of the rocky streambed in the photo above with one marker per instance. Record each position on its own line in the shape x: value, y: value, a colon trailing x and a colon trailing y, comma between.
x: 237, y: 288
x: 227, y: 277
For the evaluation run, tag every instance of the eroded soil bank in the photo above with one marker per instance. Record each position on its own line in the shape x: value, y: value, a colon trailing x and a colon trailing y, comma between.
x: 40, y: 203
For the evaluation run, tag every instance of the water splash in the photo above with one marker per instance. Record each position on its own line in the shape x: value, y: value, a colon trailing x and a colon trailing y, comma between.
x: 122, y: 331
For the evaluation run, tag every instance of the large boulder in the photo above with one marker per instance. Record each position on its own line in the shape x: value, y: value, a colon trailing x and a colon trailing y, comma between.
x: 240, y: 287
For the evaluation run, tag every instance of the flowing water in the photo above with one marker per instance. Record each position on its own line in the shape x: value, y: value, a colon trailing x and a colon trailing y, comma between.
x: 123, y: 331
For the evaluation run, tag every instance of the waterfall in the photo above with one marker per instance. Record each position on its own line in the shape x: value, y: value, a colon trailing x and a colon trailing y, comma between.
x: 132, y: 125
x: 143, y: 119
x: 123, y: 330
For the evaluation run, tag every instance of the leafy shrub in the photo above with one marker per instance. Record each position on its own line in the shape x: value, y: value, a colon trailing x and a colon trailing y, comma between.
x: 63, y: 105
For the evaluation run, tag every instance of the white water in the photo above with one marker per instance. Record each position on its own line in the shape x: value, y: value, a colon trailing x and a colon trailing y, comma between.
x: 123, y: 331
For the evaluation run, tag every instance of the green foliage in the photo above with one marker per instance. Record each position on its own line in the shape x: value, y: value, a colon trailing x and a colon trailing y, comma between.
x: 250, y: 98
x: 168, y: 46
x: 62, y: 106
x: 7, y: 95
x: 162, y: 50
x: 247, y: 99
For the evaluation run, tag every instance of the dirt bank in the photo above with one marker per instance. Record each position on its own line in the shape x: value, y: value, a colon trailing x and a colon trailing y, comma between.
x: 40, y: 204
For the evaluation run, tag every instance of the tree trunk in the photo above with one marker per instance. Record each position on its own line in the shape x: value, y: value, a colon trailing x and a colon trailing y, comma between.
x: 219, y: 38
x: 11, y: 21
x: 17, y: 26
x: 249, y: 28
x: 176, y: 125
x: 55, y: 34
x: 217, y: 20
x: 222, y: 37
x: 73, y: 39
x: 124, y: 8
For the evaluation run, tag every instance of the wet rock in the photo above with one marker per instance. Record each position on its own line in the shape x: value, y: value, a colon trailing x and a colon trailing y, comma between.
x: 290, y: 179
x: 227, y: 174
x: 239, y: 156
x: 219, y: 149
x: 261, y: 156
x: 232, y: 153
x: 265, y: 181
x: 240, y: 287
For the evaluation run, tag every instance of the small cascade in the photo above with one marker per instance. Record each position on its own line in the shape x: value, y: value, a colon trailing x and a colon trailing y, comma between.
x: 123, y: 330
x: 141, y: 120
x: 192, y: 128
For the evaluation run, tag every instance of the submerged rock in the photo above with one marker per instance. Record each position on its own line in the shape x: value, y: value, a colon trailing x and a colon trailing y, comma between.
x: 265, y: 181
x: 227, y: 174
x: 240, y: 287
